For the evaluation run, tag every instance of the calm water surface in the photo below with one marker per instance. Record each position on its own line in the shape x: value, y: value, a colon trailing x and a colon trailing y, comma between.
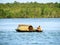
x: 49, y: 36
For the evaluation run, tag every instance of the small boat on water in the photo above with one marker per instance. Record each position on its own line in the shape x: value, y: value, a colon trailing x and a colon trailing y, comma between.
x: 27, y: 28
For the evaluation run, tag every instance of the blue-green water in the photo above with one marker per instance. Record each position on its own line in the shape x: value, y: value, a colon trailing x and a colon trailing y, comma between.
x: 49, y: 36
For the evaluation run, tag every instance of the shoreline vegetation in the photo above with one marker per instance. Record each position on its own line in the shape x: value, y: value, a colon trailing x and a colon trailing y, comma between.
x: 29, y: 10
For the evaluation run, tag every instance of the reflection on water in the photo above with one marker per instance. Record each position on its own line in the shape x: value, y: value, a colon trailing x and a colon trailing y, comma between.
x: 49, y: 36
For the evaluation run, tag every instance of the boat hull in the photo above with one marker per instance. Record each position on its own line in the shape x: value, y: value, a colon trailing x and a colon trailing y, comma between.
x: 27, y: 31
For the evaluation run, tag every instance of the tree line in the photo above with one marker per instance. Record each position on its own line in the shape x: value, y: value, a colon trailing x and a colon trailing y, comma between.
x: 29, y: 10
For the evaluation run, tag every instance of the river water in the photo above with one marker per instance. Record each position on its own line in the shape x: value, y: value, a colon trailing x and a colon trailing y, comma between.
x: 49, y: 36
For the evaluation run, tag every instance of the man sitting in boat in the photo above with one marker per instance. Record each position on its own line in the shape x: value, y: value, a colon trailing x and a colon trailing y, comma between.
x: 39, y: 29
x: 30, y: 28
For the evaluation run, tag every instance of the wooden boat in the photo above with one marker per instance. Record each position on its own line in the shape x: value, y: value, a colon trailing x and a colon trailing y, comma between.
x: 27, y: 28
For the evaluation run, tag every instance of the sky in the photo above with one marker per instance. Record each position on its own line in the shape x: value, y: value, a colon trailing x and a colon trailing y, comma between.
x: 24, y: 1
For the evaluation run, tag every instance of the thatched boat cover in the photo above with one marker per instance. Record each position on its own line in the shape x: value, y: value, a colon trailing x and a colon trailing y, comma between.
x: 23, y: 27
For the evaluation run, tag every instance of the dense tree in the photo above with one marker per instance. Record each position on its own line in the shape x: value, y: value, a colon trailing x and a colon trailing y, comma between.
x: 29, y: 10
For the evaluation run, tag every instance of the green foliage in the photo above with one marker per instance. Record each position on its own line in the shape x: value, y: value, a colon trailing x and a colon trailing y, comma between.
x: 29, y: 10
